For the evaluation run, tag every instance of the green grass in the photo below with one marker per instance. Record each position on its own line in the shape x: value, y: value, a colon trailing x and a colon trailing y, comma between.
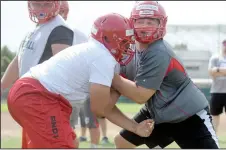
x: 129, y: 107
x: 12, y: 142
x: 16, y: 143
x: 4, y: 107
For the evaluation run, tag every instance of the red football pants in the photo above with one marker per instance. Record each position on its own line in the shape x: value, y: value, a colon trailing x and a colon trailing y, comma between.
x: 44, y: 116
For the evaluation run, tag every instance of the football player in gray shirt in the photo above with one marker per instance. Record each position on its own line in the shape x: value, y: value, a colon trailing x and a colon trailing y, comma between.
x: 179, y: 109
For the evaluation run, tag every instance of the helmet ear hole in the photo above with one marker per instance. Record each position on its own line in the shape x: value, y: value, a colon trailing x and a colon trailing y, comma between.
x: 158, y: 21
x: 106, y: 39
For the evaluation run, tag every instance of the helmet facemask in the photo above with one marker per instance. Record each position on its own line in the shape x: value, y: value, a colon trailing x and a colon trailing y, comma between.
x: 120, y: 48
x: 42, y: 11
x: 151, y: 33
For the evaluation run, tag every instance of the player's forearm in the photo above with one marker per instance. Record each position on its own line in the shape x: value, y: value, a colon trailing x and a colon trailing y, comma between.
x: 129, y: 89
x: 114, y: 98
x: 222, y: 70
x: 11, y: 74
x: 102, y: 99
x: 214, y: 73
x: 121, y: 120
x: 217, y: 74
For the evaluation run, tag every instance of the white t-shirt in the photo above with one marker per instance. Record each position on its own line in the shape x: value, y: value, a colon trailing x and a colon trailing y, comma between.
x: 79, y: 37
x: 70, y: 72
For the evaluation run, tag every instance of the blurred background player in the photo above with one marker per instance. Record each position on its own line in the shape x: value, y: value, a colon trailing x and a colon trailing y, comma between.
x: 79, y: 37
x: 103, y: 127
x: 56, y: 35
x: 217, y: 70
x: 64, y: 9
x: 87, y: 118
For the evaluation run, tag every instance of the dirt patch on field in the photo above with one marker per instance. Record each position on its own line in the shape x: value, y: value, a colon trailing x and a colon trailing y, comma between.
x: 9, y: 128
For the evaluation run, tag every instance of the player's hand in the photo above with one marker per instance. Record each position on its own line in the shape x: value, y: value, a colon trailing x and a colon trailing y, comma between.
x: 215, y: 69
x: 145, y: 128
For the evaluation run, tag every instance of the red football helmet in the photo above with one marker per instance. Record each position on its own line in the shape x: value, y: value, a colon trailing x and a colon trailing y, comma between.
x: 116, y: 34
x: 64, y: 9
x: 43, y: 11
x: 149, y: 9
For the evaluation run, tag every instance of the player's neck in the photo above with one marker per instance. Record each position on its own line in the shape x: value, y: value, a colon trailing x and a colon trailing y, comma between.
x: 141, y: 47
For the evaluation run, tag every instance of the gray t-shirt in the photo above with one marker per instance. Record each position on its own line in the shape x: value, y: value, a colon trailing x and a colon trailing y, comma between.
x: 219, y: 83
x: 129, y: 71
x: 176, y: 98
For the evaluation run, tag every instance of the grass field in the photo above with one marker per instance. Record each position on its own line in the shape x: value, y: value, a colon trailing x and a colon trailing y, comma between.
x: 4, y: 108
x: 15, y: 142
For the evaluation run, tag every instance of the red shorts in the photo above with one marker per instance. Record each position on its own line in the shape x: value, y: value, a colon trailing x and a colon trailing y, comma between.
x: 44, y: 116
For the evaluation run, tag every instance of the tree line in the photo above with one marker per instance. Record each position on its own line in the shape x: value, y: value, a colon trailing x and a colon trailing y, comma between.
x: 6, y: 57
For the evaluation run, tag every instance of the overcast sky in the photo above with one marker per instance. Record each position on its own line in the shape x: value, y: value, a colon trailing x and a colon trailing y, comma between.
x: 15, y: 20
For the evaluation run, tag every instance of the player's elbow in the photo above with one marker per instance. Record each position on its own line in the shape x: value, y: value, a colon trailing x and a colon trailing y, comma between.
x: 144, y: 95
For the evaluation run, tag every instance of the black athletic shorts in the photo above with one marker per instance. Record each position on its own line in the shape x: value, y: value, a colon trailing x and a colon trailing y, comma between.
x: 195, y: 132
x: 217, y: 103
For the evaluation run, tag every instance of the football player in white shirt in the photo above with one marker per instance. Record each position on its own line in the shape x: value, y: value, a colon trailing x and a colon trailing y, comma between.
x: 83, y: 111
x: 39, y: 101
